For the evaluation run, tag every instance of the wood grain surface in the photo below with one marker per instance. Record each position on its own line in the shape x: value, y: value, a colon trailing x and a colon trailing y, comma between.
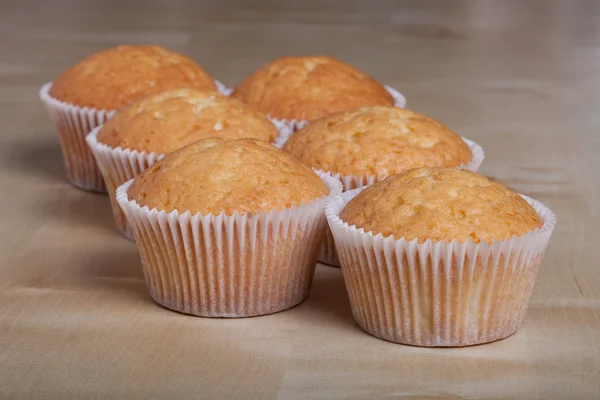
x: 522, y: 78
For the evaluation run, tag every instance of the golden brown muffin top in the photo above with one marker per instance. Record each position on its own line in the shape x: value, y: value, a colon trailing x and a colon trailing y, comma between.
x: 115, y: 77
x: 377, y: 141
x: 168, y: 121
x: 217, y: 175
x: 308, y: 88
x: 441, y: 204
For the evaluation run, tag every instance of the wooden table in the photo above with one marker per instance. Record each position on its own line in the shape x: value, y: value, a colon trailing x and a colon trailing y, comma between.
x: 521, y: 78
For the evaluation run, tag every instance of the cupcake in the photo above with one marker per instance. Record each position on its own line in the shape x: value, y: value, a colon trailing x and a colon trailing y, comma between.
x: 228, y: 228
x: 300, y: 89
x: 87, y: 94
x: 439, y: 257
x: 142, y: 132
x: 371, y: 143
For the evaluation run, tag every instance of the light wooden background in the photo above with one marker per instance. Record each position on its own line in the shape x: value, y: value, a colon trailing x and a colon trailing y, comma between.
x: 522, y: 78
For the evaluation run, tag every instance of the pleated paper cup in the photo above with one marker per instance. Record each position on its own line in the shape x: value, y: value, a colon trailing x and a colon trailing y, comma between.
x: 73, y: 123
x: 224, y: 90
x: 438, y: 293
x: 229, y: 266
x: 118, y: 165
x: 295, y: 124
x: 328, y: 253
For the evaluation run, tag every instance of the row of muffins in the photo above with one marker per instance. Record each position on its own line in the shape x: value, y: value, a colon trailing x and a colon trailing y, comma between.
x: 290, y: 90
x: 232, y: 227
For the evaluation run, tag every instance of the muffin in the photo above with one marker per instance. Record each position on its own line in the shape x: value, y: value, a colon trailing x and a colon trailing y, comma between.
x: 143, y: 131
x: 236, y: 227
x: 377, y: 141
x: 87, y: 94
x: 309, y: 88
x: 439, y: 257
x: 371, y: 143
x: 113, y: 78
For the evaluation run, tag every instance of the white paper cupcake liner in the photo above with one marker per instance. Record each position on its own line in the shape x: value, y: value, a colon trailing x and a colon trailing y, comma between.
x: 328, y: 253
x: 295, y: 125
x: 229, y: 266
x: 118, y: 165
x: 73, y: 123
x: 438, y: 293
x: 221, y: 88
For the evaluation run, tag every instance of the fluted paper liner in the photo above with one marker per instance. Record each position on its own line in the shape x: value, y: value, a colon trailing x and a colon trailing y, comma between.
x: 73, y: 123
x: 295, y: 124
x: 119, y: 165
x: 438, y: 293
x: 328, y: 254
x: 228, y: 266
x: 221, y: 88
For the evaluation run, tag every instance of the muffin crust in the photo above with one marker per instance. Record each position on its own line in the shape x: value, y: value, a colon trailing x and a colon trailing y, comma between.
x: 115, y: 77
x: 168, y: 121
x: 441, y: 204
x: 378, y: 141
x: 308, y: 88
x: 217, y: 175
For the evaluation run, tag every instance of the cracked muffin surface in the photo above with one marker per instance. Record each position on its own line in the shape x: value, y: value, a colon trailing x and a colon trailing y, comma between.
x: 309, y: 88
x: 441, y: 204
x: 115, y: 77
x: 216, y: 175
x: 377, y: 141
x: 168, y: 121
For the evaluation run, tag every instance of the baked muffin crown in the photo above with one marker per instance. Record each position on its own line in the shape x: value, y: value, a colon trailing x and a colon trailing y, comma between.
x: 216, y: 175
x: 115, y: 77
x: 170, y: 120
x: 441, y: 204
x: 308, y: 88
x: 377, y: 141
